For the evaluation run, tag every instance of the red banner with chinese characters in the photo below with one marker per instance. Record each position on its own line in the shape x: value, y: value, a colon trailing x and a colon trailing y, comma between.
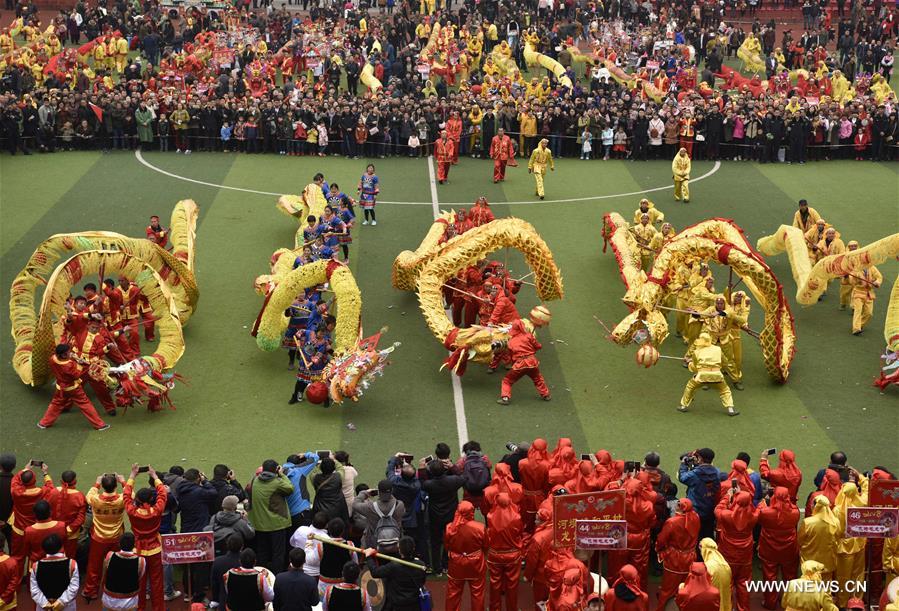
x: 185, y: 548
x: 872, y: 522
x: 600, y: 534
x: 569, y: 508
x: 884, y: 493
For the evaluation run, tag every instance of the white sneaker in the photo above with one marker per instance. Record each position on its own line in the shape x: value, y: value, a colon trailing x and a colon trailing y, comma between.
x: 187, y: 152
x: 365, y: 222
x: 173, y: 596
x: 374, y: 223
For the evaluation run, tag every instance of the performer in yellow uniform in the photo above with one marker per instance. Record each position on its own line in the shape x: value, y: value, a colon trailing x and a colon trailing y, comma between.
x: 719, y: 571
x: 800, y: 595
x: 680, y: 168
x: 830, y: 245
x: 646, y: 236
x: 891, y: 558
x: 682, y: 288
x: 706, y: 368
x: 739, y: 320
x: 845, y: 284
x: 647, y: 207
x: 540, y: 158
x: 121, y: 55
x: 863, y: 282
x: 818, y: 537
x: 806, y: 217
x: 850, y: 550
x: 702, y: 296
x: 813, y: 236
x: 716, y: 322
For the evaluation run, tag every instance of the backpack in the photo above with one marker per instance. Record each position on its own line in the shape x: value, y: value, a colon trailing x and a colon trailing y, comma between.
x: 475, y: 473
x: 387, y: 532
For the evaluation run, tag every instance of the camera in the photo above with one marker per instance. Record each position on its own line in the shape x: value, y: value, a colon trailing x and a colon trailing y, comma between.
x: 512, y: 447
x: 689, y: 459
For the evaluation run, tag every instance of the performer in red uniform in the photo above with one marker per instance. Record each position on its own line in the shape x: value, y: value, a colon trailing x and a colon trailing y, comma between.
x: 625, y: 594
x: 571, y: 597
x: 697, y: 593
x: 465, y: 306
x: 113, y: 305
x: 70, y: 506
x: 95, y: 343
x: 454, y: 131
x: 462, y: 223
x: 466, y: 542
x: 145, y: 515
x: 444, y: 153
x: 77, y: 316
x: 778, y: 544
x: 480, y: 213
x: 561, y: 561
x: 563, y: 468
x: 131, y: 306
x: 534, y: 473
x: 676, y: 548
x: 68, y: 371
x: 44, y: 526
x: 25, y: 492
x: 504, y: 311
x: 539, y: 551
x: 523, y: 347
x: 504, y: 528
x: 736, y: 519
x: 584, y: 480
x: 787, y: 474
x: 10, y: 577
x: 155, y: 232
x: 502, y: 482
x: 641, y: 516
x: 501, y: 152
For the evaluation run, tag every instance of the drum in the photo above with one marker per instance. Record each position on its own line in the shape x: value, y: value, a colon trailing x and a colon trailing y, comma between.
x: 374, y: 588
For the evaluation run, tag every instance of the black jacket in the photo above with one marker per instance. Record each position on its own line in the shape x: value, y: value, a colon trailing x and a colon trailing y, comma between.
x: 295, y: 591
x: 443, y: 495
x: 196, y: 502
x: 402, y: 584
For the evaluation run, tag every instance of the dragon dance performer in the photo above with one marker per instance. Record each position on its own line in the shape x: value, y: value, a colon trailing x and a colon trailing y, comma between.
x: 369, y: 187
x: 680, y: 168
x: 523, y: 347
x: 314, y: 351
x: 156, y: 233
x: 480, y: 213
x: 706, y: 367
x: 647, y: 207
x: 93, y: 344
x: 68, y: 371
x: 444, y: 151
x: 863, y: 284
x: 806, y: 217
x: 501, y: 151
x: 718, y: 322
x: 540, y: 158
x: 646, y: 236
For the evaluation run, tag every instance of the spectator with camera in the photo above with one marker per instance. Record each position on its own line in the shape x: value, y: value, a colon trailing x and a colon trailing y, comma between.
x: 407, y: 488
x: 703, y: 481
x: 383, y: 515
x: 475, y: 467
x: 228, y: 522
x: 225, y: 484
x: 837, y: 463
x: 442, y: 487
x: 268, y: 513
x: 348, y: 475
x: 786, y: 474
x: 517, y: 453
x: 108, y: 511
x: 328, y: 486
x: 145, y: 508
x: 297, y: 470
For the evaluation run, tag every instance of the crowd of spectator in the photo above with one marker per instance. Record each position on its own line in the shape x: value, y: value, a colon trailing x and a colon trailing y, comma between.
x: 156, y: 99
x: 274, y: 535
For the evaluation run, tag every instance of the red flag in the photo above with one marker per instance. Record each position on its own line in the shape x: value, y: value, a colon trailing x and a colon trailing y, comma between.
x: 97, y: 110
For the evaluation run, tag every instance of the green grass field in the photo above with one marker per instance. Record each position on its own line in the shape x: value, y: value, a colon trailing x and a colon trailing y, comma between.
x: 235, y: 409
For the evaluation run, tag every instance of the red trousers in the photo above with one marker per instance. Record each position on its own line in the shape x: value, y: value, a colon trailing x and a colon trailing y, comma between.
x: 499, y: 169
x: 17, y: 548
x: 515, y: 374
x: 443, y: 168
x: 98, y: 551
x: 157, y: 588
x: 686, y: 142
x: 70, y: 547
x: 504, y: 577
x: 668, y: 589
x: 788, y: 570
x: 133, y: 326
x: 465, y: 313
x: 740, y: 574
x: 639, y: 558
x: 456, y: 151
x: 149, y: 327
x: 455, y: 588
x: 64, y: 399
x: 102, y: 392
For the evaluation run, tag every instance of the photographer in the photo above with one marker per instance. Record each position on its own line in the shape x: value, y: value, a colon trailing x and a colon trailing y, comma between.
x: 297, y: 470
x: 443, y: 497
x: 703, y: 481
x: 475, y: 468
x: 837, y: 463
x: 407, y: 488
x: 517, y: 453
x: 227, y: 522
x: 383, y: 515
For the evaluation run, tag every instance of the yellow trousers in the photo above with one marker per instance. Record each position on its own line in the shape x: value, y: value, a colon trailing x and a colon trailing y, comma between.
x: 681, y: 319
x: 850, y: 567
x: 646, y: 261
x: 845, y: 295
x: 738, y: 353
x: 729, y: 362
x: 681, y: 189
x: 727, y: 399
x: 539, y: 173
x: 862, y: 309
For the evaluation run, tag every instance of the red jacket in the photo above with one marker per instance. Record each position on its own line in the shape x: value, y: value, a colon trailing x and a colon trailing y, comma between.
x: 444, y: 150
x: 92, y: 345
x: 538, y: 553
x: 10, y: 576
x: 504, y: 530
x: 523, y: 347
x: 504, y: 311
x: 736, y: 520
x: 501, y: 148
x: 69, y: 506
x: 466, y: 542
x: 37, y: 532
x: 454, y: 129
x: 23, y: 500
x: 480, y: 215
x: 778, y: 542
x: 67, y: 373
x: 676, y: 543
x: 161, y: 235
x: 145, y: 519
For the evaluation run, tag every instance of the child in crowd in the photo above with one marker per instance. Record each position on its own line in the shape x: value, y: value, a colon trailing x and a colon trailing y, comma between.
x: 586, y: 143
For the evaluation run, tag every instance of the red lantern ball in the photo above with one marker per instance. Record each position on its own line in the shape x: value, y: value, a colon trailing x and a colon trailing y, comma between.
x: 317, y: 392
